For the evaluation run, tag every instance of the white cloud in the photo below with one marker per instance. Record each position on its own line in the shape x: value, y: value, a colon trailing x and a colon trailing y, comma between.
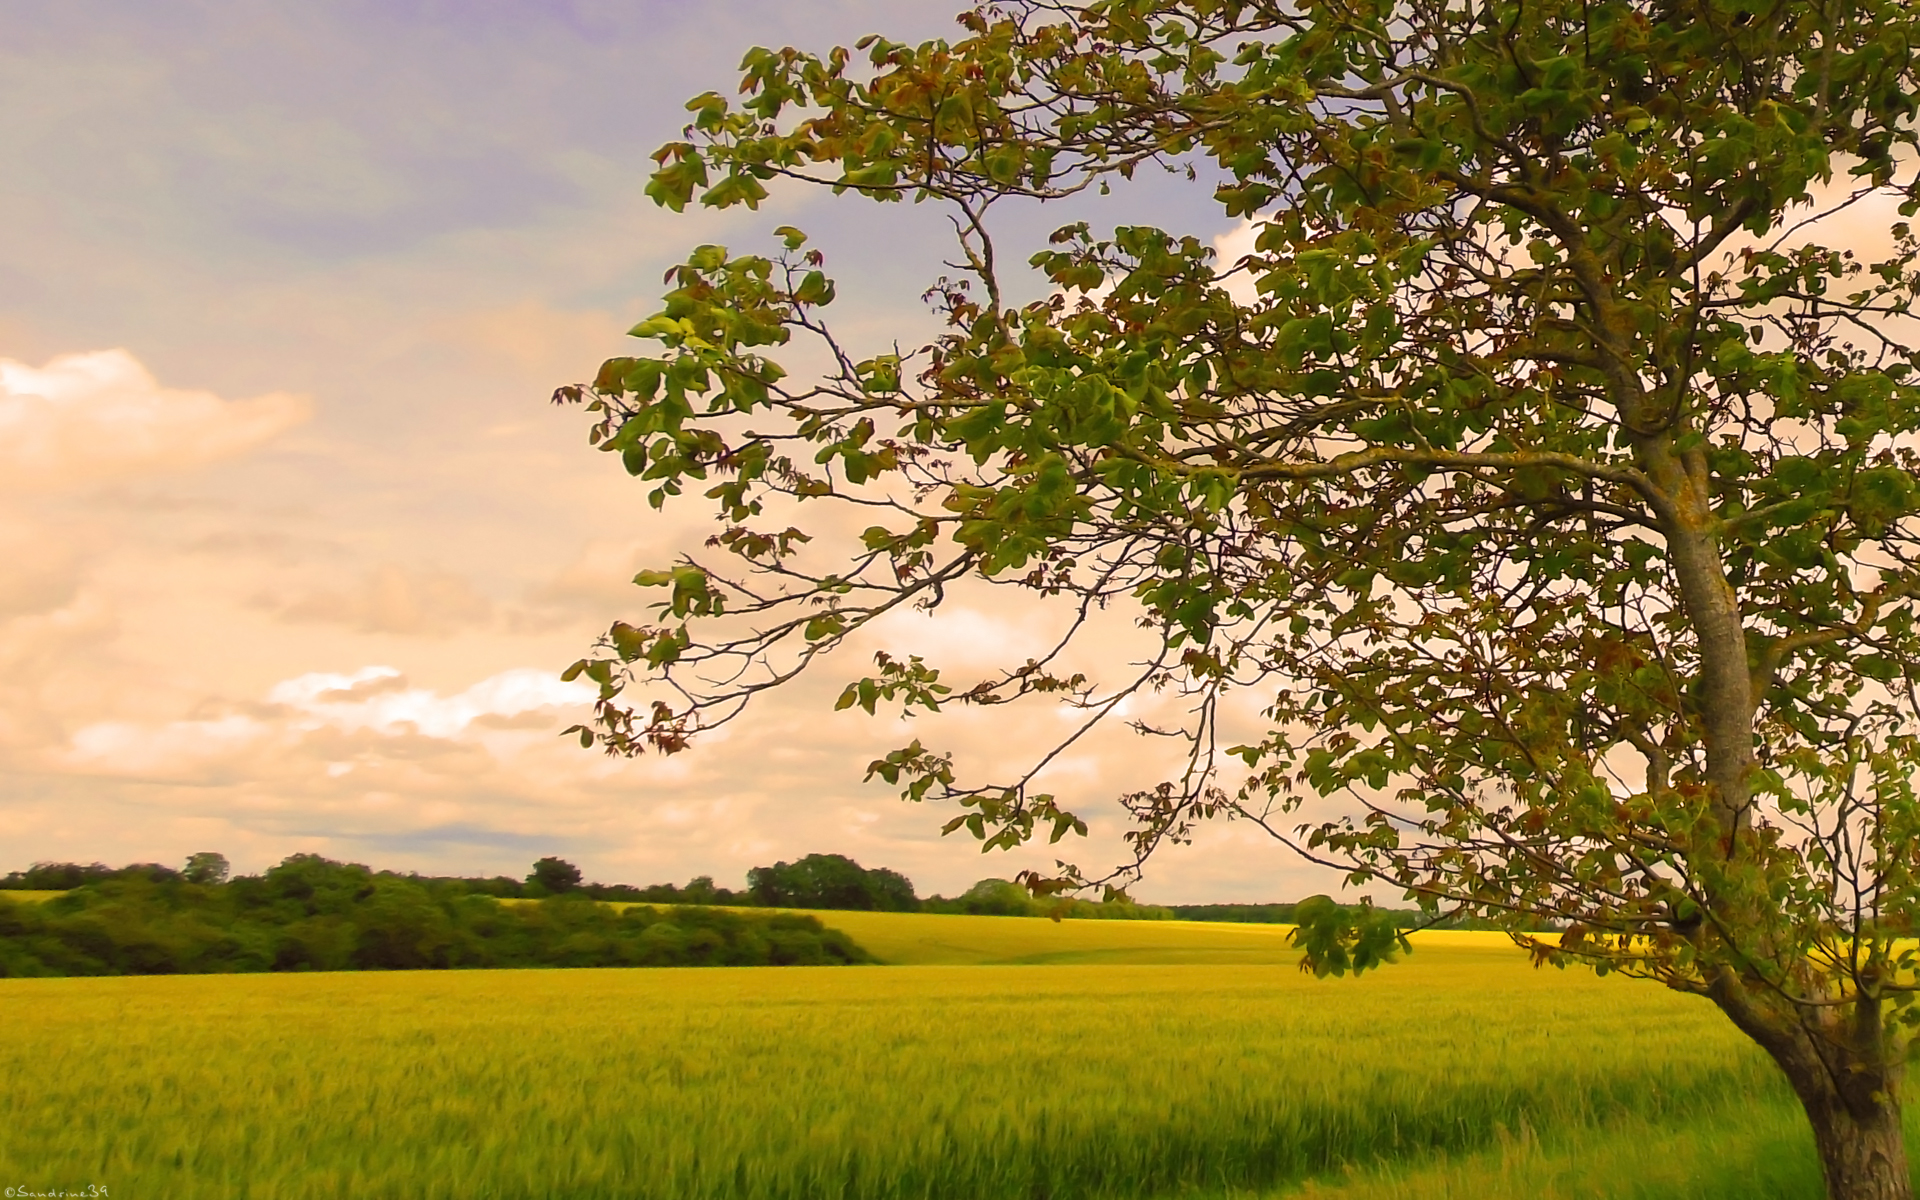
x: 373, y: 700
x: 139, y: 749
x: 84, y: 418
x: 377, y: 699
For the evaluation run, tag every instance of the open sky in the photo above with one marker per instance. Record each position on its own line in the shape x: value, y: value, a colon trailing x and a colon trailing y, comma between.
x: 295, y: 548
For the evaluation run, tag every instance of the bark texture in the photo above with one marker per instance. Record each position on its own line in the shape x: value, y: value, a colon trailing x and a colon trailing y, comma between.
x: 1863, y: 1150
x: 1838, y: 1062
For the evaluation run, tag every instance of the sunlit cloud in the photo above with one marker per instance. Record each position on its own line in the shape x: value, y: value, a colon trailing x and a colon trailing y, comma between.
x: 126, y: 746
x: 192, y: 576
x: 379, y: 699
x: 84, y: 418
x: 375, y: 700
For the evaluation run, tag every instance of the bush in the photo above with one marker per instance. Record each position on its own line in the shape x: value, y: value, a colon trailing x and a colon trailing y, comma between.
x: 313, y: 914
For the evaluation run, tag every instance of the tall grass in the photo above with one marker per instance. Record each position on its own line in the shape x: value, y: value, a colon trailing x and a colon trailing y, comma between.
x: 928, y: 1082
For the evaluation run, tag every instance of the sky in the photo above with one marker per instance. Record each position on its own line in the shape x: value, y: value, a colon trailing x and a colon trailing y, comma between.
x: 296, y: 547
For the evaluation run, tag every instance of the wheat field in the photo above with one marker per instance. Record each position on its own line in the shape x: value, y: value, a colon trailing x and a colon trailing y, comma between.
x: 1460, y: 1072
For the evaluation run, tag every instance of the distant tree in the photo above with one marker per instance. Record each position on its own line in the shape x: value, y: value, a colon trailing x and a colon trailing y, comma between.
x: 891, y: 891
x: 999, y: 898
x: 152, y: 872
x: 699, y: 890
x: 402, y: 927
x: 206, y: 867
x: 1546, y: 467
x: 1005, y: 898
x: 554, y: 876
x: 1258, y: 914
x: 830, y: 881
x: 58, y: 876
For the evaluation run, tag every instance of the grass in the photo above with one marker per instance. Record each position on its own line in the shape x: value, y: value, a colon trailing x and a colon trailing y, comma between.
x: 1745, y: 1152
x: 1460, y: 1072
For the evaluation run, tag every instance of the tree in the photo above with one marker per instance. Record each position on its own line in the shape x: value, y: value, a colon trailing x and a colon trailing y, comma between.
x: 206, y: 867
x: 554, y: 876
x: 830, y: 881
x: 58, y: 877
x: 1544, y: 466
x: 999, y: 898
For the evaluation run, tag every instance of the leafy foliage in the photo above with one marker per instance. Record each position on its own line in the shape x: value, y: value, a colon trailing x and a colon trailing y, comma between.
x: 206, y: 867
x: 60, y: 876
x: 1544, y: 467
x: 831, y: 881
x: 1005, y: 898
x: 1338, y: 939
x: 312, y: 914
x: 553, y: 876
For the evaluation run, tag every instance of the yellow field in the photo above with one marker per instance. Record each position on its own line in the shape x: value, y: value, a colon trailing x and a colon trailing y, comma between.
x: 922, y: 939
x: 8, y: 894
x: 913, y: 939
x: 916, y: 939
x: 1460, y: 1072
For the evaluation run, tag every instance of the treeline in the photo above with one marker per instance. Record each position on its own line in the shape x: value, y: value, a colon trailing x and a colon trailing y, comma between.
x: 60, y: 877
x: 1001, y: 898
x: 832, y: 881
x: 313, y: 914
x: 818, y: 881
x: 1244, y: 914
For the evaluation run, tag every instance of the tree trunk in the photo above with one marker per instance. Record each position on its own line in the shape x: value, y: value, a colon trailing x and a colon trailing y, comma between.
x: 1837, y: 1060
x: 1856, y: 1129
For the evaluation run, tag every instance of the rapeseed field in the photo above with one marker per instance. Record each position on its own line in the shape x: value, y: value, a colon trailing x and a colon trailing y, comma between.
x: 27, y: 897
x: 1110, y: 1061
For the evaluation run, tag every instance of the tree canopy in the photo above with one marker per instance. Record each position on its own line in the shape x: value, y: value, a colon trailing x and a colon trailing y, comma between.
x: 831, y: 881
x: 1548, y: 466
x: 554, y: 876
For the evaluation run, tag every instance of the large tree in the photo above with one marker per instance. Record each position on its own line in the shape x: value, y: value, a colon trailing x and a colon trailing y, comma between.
x: 1547, y: 468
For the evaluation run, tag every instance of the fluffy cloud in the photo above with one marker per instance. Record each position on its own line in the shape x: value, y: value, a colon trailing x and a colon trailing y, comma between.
x: 84, y: 418
x: 374, y: 700
x: 74, y: 571
x: 118, y: 747
x: 378, y: 698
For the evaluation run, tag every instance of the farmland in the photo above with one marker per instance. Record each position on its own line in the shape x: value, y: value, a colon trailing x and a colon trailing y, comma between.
x: 1015, y: 1058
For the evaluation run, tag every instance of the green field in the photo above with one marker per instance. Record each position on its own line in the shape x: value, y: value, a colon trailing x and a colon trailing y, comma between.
x: 1141, y: 1059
